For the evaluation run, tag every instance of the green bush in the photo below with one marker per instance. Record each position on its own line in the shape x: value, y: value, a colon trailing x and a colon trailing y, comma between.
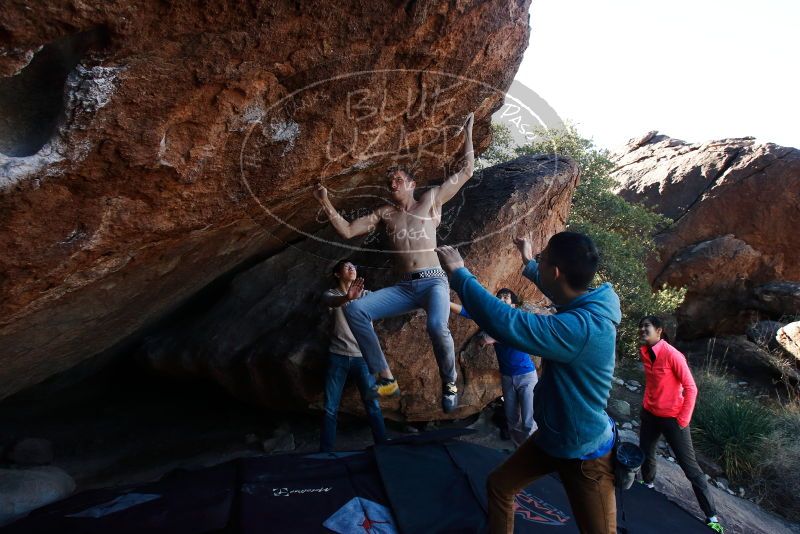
x: 623, y: 231
x: 756, y: 444
x: 500, y: 150
x: 729, y: 429
x: 779, y: 475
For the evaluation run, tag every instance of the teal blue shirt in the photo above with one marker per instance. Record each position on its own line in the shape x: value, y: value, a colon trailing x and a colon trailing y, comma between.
x: 578, y: 344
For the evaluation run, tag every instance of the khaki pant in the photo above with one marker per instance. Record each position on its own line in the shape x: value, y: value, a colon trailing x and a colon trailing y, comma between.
x: 589, y: 485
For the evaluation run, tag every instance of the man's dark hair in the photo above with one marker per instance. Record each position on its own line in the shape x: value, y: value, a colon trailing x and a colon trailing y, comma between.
x: 506, y: 291
x: 338, y: 267
x: 391, y: 170
x: 576, y: 256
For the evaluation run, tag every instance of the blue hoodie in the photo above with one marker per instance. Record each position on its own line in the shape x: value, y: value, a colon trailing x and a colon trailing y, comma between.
x: 578, y: 345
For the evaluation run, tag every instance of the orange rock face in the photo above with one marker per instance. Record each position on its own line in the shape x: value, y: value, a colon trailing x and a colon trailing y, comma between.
x: 735, y: 209
x: 265, y: 339
x: 149, y: 148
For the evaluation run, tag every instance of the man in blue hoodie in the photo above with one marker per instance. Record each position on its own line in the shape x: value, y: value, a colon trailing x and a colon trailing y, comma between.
x: 575, y: 435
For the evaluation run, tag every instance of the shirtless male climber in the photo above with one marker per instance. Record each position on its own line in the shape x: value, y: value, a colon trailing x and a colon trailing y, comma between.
x: 410, y: 224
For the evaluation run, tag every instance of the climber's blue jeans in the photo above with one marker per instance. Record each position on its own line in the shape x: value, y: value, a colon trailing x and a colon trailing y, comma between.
x: 431, y: 294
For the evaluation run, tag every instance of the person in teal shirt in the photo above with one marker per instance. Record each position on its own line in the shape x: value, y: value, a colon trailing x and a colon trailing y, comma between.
x: 575, y: 435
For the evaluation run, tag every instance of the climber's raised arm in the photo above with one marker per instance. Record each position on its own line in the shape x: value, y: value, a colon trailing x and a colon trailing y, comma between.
x: 348, y: 230
x: 454, y: 183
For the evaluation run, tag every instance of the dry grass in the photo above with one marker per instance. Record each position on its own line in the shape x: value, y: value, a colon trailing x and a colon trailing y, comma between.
x: 778, y: 479
x: 757, y: 444
x: 727, y: 428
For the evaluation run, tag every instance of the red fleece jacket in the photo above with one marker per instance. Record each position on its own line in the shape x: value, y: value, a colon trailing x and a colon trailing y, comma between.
x: 669, y: 389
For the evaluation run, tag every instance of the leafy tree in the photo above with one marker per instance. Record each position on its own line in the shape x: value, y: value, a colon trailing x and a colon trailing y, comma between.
x: 622, y: 231
x: 500, y: 150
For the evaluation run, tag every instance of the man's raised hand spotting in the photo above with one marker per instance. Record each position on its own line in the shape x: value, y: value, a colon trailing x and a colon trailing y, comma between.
x: 525, y: 248
x: 449, y: 258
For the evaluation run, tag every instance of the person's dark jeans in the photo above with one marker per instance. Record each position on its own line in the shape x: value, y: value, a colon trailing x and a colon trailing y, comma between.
x: 680, y: 440
x: 339, y: 368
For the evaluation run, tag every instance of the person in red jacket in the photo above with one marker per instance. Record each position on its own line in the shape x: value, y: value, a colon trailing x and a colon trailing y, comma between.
x: 667, y: 406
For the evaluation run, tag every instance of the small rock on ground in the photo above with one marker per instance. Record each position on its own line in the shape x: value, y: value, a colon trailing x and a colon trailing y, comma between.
x: 619, y: 408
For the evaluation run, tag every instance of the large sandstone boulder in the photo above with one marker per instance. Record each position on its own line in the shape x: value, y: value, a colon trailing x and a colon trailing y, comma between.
x: 716, y: 274
x: 777, y: 298
x: 265, y: 337
x: 711, y: 265
x: 747, y: 357
x: 148, y: 148
x: 734, y: 205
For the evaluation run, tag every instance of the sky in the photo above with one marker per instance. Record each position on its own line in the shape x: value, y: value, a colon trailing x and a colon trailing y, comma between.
x: 696, y: 70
